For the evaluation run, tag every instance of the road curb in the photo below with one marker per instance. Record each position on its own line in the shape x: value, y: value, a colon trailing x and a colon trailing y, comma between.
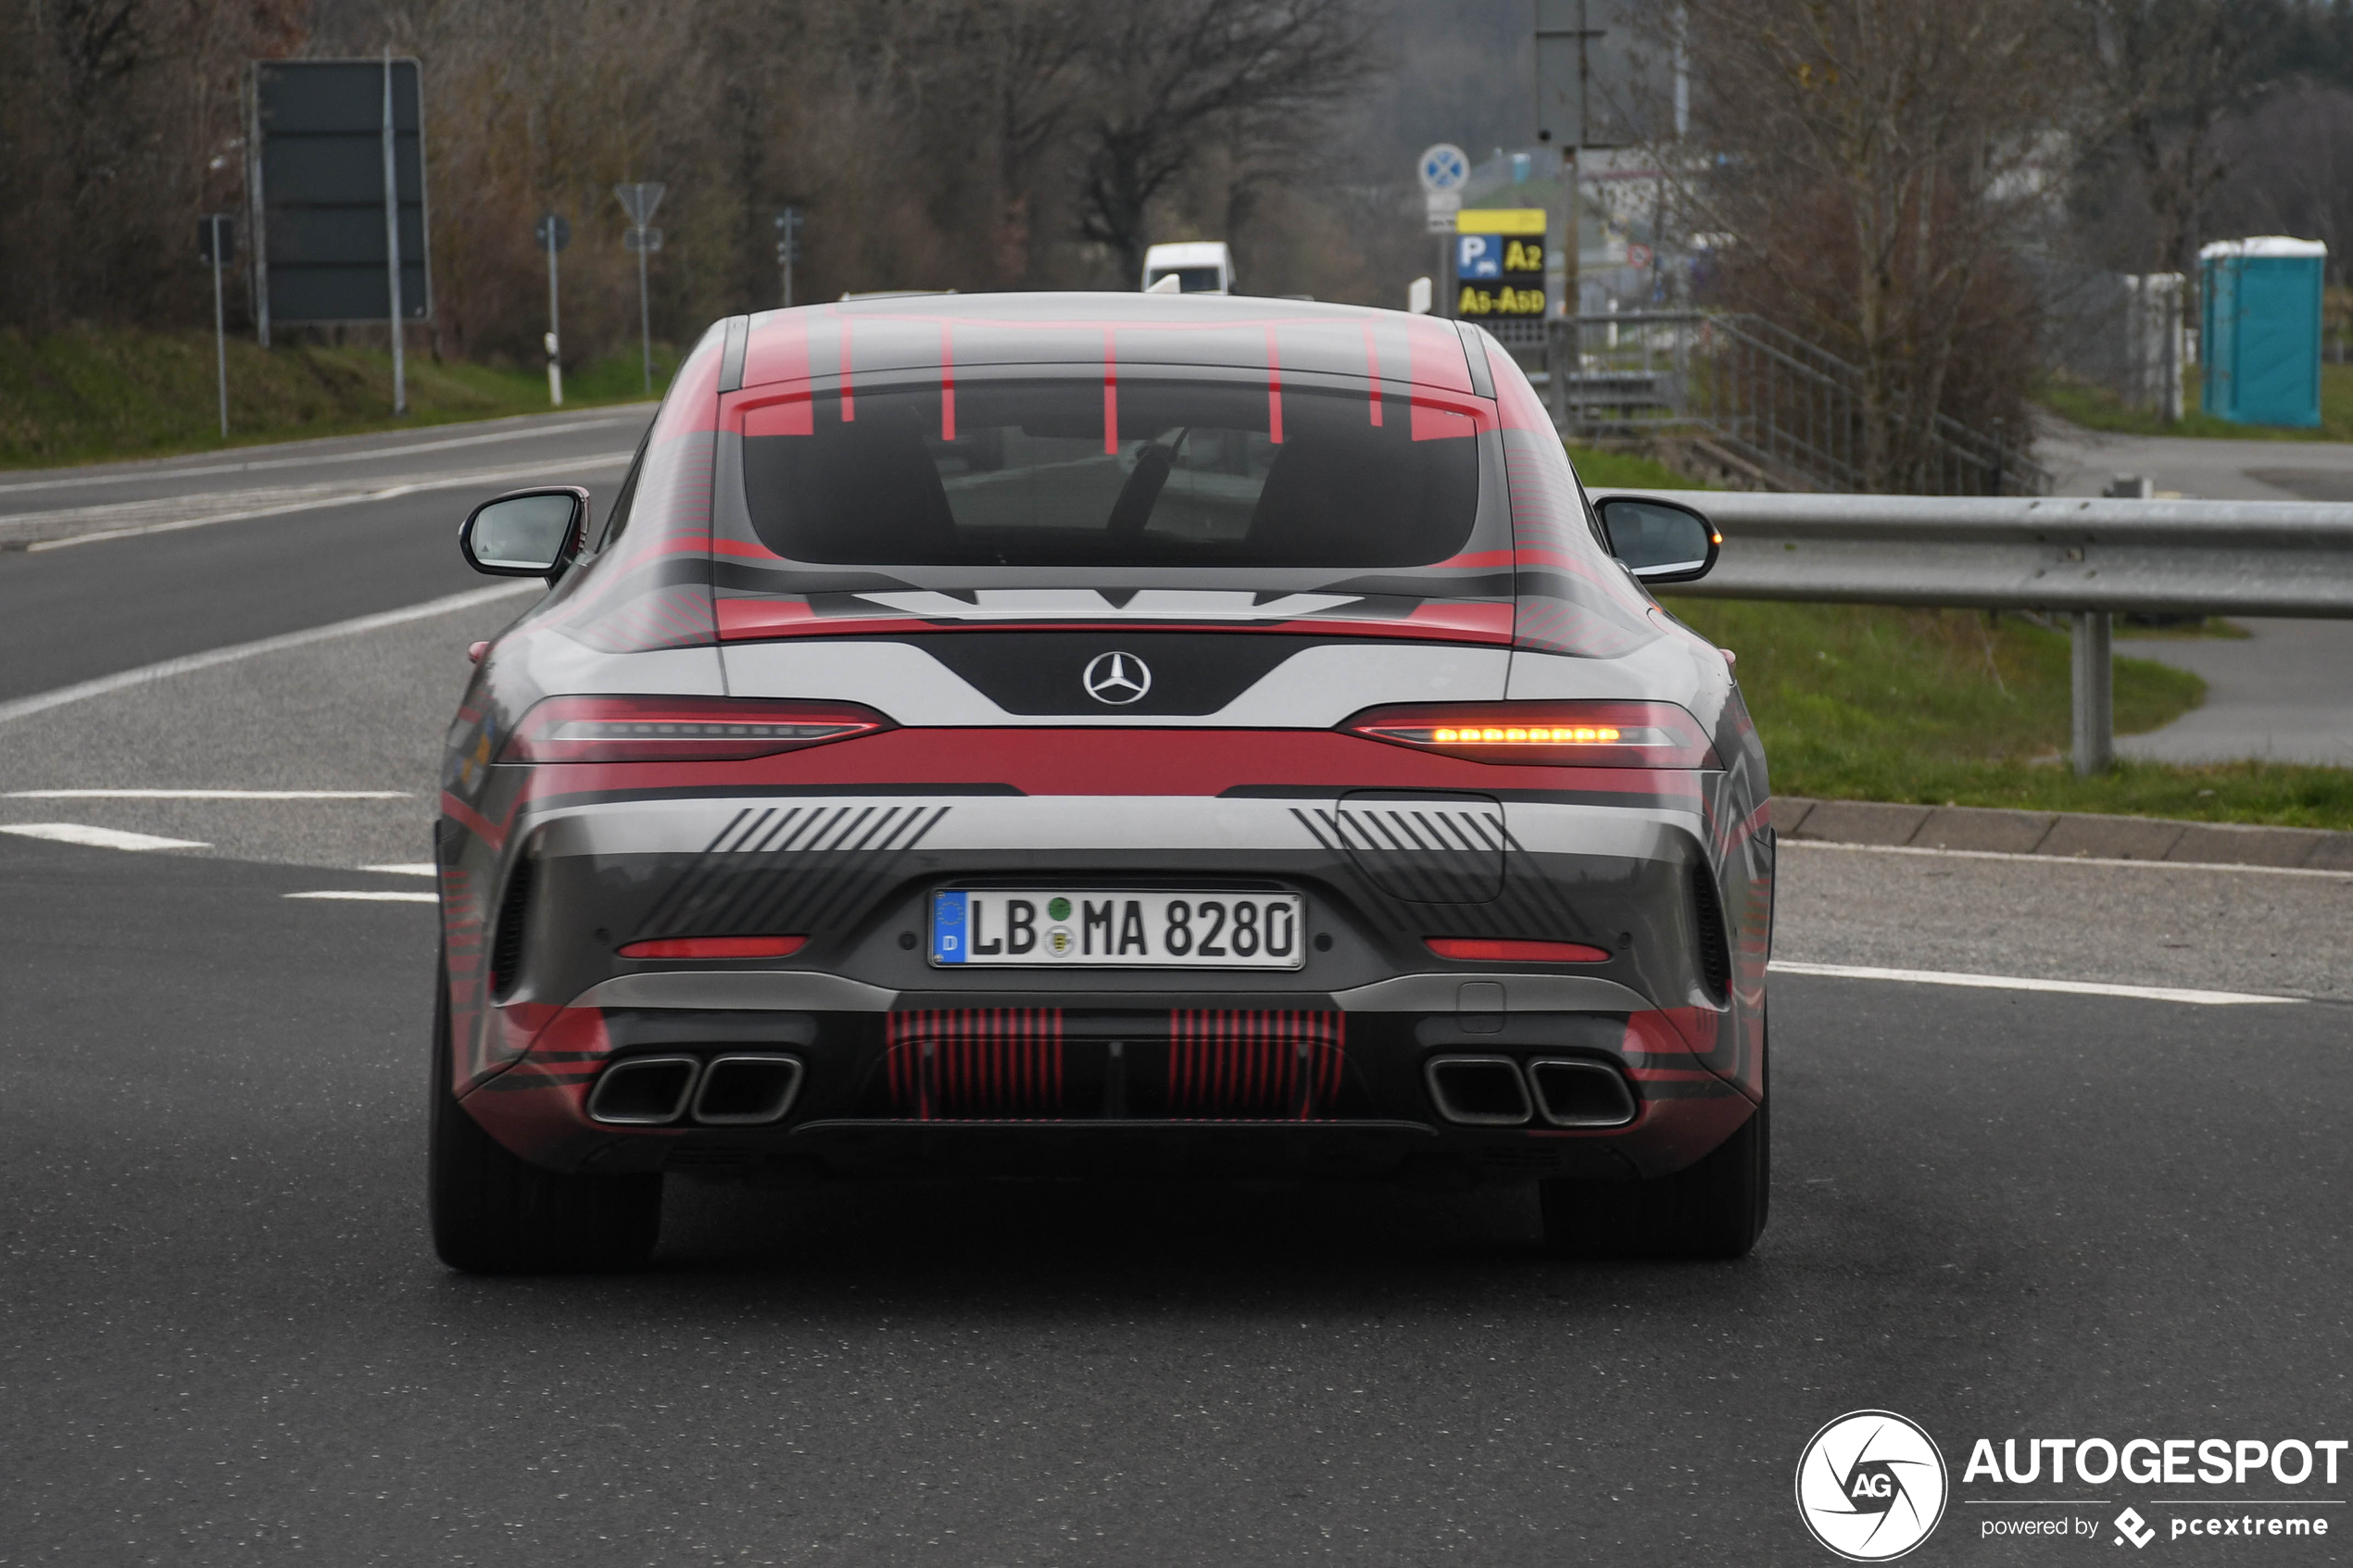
x: 2059, y: 835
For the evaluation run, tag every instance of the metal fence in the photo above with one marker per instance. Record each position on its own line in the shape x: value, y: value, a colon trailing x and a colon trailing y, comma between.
x: 2088, y: 558
x: 1751, y: 394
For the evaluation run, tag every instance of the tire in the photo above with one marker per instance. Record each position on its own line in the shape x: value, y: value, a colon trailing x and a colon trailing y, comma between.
x: 494, y: 1214
x: 1715, y: 1209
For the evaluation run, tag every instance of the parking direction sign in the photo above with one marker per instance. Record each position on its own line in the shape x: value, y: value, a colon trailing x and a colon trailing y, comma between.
x: 1444, y: 167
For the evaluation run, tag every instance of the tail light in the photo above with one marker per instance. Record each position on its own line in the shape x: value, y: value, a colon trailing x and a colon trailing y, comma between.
x: 1574, y: 734
x: 680, y: 729
x: 1483, y: 950
x: 715, y: 947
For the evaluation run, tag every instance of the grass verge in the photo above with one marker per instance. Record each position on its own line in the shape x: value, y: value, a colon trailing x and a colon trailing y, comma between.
x: 91, y: 394
x: 2095, y: 408
x: 1627, y: 470
x: 1857, y: 702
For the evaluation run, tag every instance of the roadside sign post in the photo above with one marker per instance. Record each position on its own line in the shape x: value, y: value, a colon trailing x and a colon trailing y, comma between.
x: 215, y: 241
x: 553, y: 233
x: 1443, y: 169
x: 392, y: 244
x: 787, y: 246
x: 639, y: 201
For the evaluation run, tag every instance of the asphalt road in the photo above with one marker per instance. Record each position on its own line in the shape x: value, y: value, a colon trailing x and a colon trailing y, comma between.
x: 223, y: 1340
x: 74, y: 606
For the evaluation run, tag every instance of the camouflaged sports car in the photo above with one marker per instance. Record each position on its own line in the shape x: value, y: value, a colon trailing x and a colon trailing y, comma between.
x: 1081, y: 733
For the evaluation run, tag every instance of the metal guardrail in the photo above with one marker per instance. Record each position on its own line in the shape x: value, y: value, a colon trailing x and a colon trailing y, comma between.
x: 2084, y: 557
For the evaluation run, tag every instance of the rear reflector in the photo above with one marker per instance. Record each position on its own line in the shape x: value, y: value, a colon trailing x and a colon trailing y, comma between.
x: 1586, y: 735
x: 1481, y: 950
x: 693, y: 729
x: 717, y: 948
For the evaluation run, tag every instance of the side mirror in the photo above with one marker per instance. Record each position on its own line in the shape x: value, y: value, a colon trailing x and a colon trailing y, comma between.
x: 527, y: 533
x: 1659, y: 541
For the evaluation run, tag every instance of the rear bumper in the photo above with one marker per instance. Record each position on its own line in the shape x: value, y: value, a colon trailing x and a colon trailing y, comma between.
x: 936, y: 1083
x: 907, y: 1066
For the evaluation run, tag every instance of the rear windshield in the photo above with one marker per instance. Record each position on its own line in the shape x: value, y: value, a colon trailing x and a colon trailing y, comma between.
x: 1142, y: 473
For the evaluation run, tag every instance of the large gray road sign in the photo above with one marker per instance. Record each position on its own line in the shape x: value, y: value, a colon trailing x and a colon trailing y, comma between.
x: 319, y: 237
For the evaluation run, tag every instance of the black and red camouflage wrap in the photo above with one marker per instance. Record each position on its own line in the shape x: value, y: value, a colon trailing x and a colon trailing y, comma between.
x: 848, y: 839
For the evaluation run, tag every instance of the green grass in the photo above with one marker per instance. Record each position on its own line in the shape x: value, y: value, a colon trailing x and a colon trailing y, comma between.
x: 2095, y: 408
x: 89, y: 395
x: 1938, y: 707
x: 1625, y: 471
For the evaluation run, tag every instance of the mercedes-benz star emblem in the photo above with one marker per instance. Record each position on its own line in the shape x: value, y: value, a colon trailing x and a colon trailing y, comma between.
x: 1117, y: 678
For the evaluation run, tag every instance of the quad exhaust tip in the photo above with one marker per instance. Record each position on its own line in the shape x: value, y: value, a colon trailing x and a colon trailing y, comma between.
x: 1580, y: 1093
x: 644, y: 1091
x: 1479, y: 1091
x: 745, y: 1091
x: 1497, y: 1091
x: 742, y: 1089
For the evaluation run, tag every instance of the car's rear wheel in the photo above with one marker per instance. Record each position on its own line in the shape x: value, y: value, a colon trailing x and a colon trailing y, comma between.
x: 494, y: 1214
x: 1715, y: 1209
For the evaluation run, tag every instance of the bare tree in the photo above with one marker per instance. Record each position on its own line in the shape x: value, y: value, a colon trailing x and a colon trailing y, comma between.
x: 1875, y: 162
x: 2168, y: 72
x: 1169, y: 78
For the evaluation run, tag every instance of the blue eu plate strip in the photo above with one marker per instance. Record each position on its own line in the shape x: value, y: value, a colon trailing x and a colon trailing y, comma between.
x: 948, y: 927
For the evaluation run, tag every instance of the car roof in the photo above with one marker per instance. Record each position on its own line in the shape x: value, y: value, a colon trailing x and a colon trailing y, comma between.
x: 1095, y: 333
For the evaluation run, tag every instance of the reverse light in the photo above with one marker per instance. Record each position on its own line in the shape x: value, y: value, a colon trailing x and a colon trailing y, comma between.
x: 1483, y: 950
x: 1582, y: 733
x: 690, y: 729
x: 715, y: 947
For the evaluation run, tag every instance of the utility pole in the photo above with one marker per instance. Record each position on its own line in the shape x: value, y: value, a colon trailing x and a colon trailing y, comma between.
x: 640, y: 201
x: 392, y: 244
x: 787, y: 246
x: 215, y: 240
x: 553, y: 233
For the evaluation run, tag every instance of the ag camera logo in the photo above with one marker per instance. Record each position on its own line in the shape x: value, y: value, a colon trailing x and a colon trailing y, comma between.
x: 1872, y: 1485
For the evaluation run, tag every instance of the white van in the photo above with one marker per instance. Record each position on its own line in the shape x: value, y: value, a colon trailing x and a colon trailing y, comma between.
x: 1199, y: 267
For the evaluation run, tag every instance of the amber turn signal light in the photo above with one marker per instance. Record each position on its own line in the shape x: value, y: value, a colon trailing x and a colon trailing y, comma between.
x: 1577, y: 735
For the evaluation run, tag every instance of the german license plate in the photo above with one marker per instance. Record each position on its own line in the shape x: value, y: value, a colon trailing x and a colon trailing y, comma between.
x: 1105, y: 930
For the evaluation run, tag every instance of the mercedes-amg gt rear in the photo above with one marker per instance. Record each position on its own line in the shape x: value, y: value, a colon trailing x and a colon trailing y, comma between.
x: 1064, y: 735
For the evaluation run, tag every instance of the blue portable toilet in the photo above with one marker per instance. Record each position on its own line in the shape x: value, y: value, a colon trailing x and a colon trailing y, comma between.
x: 2261, y: 337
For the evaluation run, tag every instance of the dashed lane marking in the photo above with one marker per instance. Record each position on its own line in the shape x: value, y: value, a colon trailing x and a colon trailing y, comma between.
x: 418, y: 870
x: 41, y: 702
x: 208, y: 795
x: 98, y: 838
x: 2020, y: 983
x: 370, y: 896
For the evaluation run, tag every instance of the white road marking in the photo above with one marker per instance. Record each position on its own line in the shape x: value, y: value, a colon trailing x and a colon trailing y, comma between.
x: 2019, y: 983
x: 2060, y: 859
x: 254, y: 504
x: 371, y: 896
x: 121, y: 474
x: 405, y: 869
x: 208, y: 795
x: 98, y: 838
x: 41, y: 702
